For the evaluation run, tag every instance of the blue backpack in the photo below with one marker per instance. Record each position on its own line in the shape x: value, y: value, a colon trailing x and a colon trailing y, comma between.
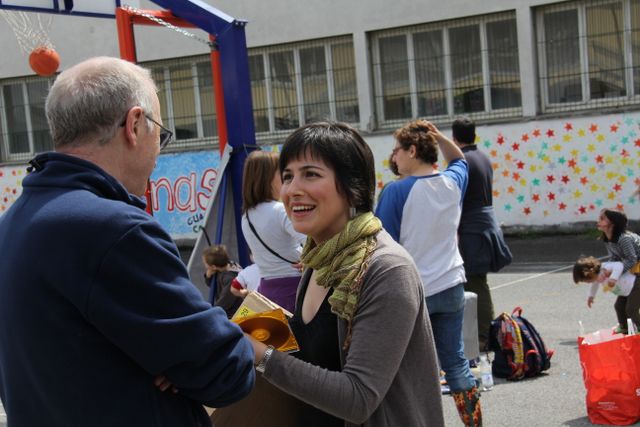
x: 519, y: 349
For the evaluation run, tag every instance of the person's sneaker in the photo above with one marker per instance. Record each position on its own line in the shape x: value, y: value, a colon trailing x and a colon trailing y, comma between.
x: 619, y: 330
x: 444, y: 387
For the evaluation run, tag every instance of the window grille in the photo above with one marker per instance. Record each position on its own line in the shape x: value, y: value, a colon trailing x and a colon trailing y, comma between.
x: 22, y: 119
x: 187, y: 100
x: 295, y: 84
x: 589, y: 54
x: 442, y: 70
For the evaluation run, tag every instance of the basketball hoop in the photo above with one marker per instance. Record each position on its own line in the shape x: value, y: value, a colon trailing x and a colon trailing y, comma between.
x: 33, y: 37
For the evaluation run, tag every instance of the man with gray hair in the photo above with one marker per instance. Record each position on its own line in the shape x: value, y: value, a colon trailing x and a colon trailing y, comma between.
x: 96, y: 307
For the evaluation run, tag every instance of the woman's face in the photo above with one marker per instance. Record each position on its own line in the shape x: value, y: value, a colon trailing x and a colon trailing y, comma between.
x: 604, y: 224
x: 403, y: 158
x: 311, y: 199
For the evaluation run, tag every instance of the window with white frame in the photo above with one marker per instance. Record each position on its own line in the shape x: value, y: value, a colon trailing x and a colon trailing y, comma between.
x: 22, y: 118
x: 187, y: 104
x: 304, y: 82
x: 441, y: 70
x: 291, y: 85
x: 187, y: 99
x: 589, y: 54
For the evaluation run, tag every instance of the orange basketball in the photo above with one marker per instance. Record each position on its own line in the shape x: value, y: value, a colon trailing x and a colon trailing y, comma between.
x: 44, y: 61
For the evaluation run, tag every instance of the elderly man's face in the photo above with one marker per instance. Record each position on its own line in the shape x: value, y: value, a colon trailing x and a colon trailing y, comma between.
x: 148, y: 149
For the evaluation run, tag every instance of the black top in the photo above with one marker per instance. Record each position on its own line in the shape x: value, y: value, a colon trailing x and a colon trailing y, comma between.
x: 318, y: 341
x: 479, y: 190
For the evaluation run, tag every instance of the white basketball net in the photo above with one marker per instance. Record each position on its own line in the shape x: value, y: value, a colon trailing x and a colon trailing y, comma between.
x: 31, y: 30
x: 166, y: 24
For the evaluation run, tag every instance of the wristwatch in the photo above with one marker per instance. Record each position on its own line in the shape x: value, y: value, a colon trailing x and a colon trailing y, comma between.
x: 260, y: 367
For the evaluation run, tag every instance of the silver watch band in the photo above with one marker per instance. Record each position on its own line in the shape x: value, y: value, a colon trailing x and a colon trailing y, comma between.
x: 260, y: 367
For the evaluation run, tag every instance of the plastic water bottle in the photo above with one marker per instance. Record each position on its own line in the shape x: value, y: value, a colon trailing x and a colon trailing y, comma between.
x: 485, y: 373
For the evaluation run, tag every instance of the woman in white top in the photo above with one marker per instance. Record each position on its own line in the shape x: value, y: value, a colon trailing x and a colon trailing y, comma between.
x: 275, y: 245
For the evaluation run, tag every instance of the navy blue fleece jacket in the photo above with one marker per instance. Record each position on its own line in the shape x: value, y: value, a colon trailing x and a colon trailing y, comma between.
x: 95, y: 302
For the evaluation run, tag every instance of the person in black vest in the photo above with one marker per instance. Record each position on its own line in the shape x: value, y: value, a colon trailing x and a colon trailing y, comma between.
x: 481, y: 242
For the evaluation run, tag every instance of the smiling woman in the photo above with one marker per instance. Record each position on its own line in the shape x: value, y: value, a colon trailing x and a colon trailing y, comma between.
x: 360, y: 316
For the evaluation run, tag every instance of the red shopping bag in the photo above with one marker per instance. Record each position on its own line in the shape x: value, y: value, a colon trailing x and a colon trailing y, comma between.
x: 611, y: 373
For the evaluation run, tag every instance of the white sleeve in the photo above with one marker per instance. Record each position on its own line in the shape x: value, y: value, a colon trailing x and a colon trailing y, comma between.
x: 616, y: 269
x: 594, y: 289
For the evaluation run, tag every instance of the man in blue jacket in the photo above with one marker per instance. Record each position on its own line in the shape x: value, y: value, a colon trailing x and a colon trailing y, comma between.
x: 95, y: 302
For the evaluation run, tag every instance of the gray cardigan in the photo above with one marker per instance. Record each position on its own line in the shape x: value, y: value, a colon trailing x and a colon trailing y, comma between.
x: 390, y: 373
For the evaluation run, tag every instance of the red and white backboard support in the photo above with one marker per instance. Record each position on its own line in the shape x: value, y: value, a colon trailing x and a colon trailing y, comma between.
x: 230, y: 72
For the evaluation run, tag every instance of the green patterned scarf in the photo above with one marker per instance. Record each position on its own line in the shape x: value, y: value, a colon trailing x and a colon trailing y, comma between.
x: 340, y: 263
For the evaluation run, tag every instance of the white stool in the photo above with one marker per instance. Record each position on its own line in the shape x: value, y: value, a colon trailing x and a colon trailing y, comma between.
x: 470, y: 326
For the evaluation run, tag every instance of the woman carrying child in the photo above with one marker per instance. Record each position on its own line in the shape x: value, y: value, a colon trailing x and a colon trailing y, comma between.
x: 609, y: 275
x: 622, y: 246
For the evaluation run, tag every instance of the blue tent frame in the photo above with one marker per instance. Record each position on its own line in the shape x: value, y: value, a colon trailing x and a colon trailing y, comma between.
x: 229, y: 34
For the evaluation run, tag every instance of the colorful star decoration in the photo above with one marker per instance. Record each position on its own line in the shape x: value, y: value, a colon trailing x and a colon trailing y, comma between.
x: 591, y: 165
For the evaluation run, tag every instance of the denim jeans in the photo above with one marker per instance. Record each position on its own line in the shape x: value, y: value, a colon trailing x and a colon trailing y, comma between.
x: 446, y: 311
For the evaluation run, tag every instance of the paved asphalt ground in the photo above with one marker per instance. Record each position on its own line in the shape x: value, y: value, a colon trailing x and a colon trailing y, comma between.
x: 539, y: 281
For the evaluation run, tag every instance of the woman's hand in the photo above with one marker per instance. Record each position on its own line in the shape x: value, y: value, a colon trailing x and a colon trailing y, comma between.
x: 298, y: 266
x: 450, y: 151
x: 590, y: 301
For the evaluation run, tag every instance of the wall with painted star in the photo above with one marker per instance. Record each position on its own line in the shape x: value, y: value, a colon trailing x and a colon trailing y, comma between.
x: 10, y: 185
x: 548, y: 172
x: 555, y: 172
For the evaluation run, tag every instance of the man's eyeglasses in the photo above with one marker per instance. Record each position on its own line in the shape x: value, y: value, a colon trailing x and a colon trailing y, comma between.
x: 395, y: 150
x: 165, y: 134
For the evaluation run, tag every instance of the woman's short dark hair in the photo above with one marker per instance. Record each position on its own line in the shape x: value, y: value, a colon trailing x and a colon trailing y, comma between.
x: 618, y: 220
x: 417, y: 133
x: 259, y: 169
x: 342, y: 149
